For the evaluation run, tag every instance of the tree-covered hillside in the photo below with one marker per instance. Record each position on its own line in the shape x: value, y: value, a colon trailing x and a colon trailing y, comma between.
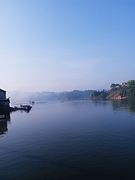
x: 117, y: 91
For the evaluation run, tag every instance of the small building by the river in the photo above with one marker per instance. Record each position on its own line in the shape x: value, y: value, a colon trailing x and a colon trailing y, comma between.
x: 4, y: 102
x: 2, y: 95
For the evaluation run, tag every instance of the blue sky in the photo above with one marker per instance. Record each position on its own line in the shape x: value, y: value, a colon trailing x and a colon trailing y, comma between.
x: 56, y: 45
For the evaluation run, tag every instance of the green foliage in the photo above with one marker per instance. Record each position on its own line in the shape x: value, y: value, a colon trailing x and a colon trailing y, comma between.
x: 126, y: 89
x: 131, y: 88
x: 115, y: 86
x: 100, y: 94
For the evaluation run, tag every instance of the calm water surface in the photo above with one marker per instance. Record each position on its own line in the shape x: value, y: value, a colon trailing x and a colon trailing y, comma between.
x: 69, y: 140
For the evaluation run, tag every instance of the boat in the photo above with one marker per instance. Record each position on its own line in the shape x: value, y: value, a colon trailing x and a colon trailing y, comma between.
x: 26, y: 108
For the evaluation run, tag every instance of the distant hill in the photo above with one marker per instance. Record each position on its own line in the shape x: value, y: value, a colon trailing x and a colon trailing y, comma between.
x: 20, y: 97
x: 116, y: 92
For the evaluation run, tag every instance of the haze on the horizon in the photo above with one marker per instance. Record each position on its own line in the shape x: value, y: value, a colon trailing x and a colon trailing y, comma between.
x: 55, y: 45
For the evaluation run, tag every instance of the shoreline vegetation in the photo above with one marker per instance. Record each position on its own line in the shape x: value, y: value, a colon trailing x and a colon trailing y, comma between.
x: 122, y: 91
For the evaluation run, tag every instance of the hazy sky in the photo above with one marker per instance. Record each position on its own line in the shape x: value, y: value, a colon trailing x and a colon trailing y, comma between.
x: 55, y: 45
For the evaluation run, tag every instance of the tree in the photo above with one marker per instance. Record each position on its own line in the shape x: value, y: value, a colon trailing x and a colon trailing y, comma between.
x: 115, y: 86
x: 131, y: 88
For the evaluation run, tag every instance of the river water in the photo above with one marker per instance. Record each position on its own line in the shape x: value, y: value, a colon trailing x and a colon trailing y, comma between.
x: 69, y: 140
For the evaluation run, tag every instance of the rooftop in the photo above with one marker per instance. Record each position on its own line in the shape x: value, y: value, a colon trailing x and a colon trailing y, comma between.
x: 2, y: 90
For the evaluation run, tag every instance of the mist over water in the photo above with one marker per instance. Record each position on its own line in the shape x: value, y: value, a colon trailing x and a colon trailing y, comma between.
x: 26, y: 97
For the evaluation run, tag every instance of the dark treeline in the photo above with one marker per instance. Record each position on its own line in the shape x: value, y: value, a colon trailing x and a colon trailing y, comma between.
x: 75, y: 95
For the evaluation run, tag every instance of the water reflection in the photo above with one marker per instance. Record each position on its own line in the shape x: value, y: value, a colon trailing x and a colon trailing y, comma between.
x: 70, y: 140
x: 125, y: 104
x: 4, y: 119
x: 101, y: 102
x: 128, y: 104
